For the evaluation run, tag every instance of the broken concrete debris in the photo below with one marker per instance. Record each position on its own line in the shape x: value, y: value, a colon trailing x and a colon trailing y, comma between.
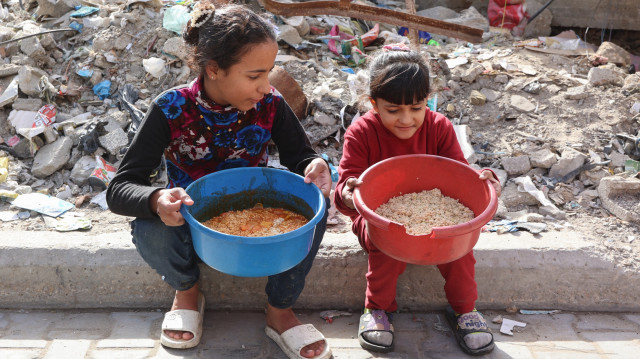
x: 556, y: 118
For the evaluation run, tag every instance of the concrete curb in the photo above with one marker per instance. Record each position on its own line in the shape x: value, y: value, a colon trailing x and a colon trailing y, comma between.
x: 558, y: 270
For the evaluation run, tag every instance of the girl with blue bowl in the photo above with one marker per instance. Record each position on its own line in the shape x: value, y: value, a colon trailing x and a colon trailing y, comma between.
x: 223, y: 119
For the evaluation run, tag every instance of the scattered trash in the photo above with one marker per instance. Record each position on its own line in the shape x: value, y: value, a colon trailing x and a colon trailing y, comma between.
x: 328, y: 315
x: 85, y: 73
x: 10, y: 93
x: 441, y: 326
x: 176, y: 18
x: 103, y: 174
x: 71, y: 223
x: 536, y: 312
x: 423, y: 36
x: 632, y: 166
x: 101, y: 200
x: 567, y: 40
x: 8, y: 216
x: 102, y: 89
x: 82, y: 11
x: 155, y: 66
x: 508, y: 325
x: 42, y: 203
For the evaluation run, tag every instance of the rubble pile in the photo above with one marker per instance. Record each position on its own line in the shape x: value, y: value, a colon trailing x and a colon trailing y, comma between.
x: 558, y: 119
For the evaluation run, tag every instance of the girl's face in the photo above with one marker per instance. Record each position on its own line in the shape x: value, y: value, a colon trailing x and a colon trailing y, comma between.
x: 246, y: 82
x: 401, y: 120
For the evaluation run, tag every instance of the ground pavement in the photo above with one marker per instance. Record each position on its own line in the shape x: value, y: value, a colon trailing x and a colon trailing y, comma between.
x: 228, y: 335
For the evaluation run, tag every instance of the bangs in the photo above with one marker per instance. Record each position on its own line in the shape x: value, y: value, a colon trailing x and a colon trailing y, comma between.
x: 406, y: 84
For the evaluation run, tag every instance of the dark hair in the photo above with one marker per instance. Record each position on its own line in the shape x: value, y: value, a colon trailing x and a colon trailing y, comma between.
x: 399, y: 77
x: 226, y: 35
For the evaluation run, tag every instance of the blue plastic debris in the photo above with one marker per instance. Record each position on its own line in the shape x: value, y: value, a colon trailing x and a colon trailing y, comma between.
x: 74, y: 25
x: 334, y: 171
x: 422, y: 35
x: 348, y: 70
x: 85, y: 73
x: 432, y: 102
x: 82, y: 11
x: 102, y: 89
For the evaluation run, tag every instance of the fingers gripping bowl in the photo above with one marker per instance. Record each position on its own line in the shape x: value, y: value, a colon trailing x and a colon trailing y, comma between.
x: 414, y: 173
x: 242, y: 188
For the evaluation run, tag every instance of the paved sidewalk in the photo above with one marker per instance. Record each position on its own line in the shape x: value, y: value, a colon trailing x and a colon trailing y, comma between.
x: 132, y: 335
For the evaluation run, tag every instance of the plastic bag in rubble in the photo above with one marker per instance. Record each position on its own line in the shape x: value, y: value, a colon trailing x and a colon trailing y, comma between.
x: 155, y: 66
x: 102, y: 89
x: 42, y: 203
x: 126, y: 98
x: 176, y: 18
x: 31, y: 123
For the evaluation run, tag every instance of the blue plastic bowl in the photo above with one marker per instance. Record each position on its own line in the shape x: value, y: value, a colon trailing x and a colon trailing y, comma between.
x: 242, y: 188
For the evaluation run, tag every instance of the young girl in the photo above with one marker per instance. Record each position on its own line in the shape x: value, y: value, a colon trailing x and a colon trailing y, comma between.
x: 400, y: 123
x: 223, y: 119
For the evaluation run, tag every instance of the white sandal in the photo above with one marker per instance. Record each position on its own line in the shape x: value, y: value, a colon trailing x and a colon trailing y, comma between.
x: 296, y: 338
x: 185, y: 320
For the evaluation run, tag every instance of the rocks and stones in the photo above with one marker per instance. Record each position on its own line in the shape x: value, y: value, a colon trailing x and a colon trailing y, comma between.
x: 501, y: 79
x: 31, y: 47
x: 28, y: 80
x: 299, y: 23
x: 522, y: 104
x: 82, y: 170
x: 8, y: 70
x: 114, y: 141
x: 576, y: 93
x: 175, y: 47
x: 599, y: 76
x: 632, y: 83
x: 289, y: 34
x: 477, y: 98
x: 490, y: 94
x: 55, y: 8
x: 614, y: 53
x: 469, y: 75
x: 324, y: 119
x: 543, y: 158
x: 568, y: 165
x: 51, y: 157
x: 514, y: 198
x: 621, y: 196
x: 516, y: 165
x: 27, y: 104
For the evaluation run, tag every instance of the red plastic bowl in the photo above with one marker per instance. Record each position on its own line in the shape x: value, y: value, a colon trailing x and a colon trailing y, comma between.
x: 414, y: 173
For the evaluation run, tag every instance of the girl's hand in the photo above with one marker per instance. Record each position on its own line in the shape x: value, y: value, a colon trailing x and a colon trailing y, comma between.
x: 347, y: 191
x: 166, y: 203
x: 318, y: 172
x: 488, y: 175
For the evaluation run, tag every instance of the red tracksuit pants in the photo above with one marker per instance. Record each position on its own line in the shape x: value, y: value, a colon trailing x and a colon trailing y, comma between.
x: 383, y: 272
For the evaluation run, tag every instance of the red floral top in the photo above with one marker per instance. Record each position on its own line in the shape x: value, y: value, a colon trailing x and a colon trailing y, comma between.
x: 199, y: 137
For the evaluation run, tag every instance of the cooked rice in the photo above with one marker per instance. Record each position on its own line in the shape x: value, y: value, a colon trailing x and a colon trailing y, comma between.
x: 421, y: 211
x: 257, y: 222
